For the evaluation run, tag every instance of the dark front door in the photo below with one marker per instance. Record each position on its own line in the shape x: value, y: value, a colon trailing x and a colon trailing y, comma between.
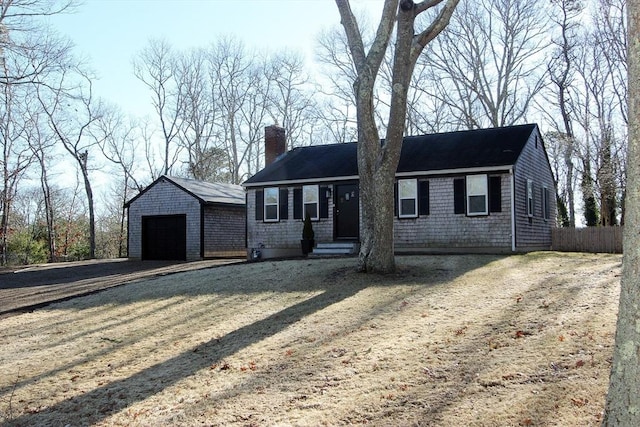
x: 347, y: 211
x: 164, y: 237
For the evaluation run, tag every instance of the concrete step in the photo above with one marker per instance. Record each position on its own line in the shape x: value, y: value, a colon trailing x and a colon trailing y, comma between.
x: 334, y: 249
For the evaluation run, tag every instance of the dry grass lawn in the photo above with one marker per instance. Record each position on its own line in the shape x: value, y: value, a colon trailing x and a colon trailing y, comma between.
x: 447, y: 341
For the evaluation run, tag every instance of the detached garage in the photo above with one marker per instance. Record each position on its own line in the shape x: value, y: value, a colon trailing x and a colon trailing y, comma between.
x: 184, y: 219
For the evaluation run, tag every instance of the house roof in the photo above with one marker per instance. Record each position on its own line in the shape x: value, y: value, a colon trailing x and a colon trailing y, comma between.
x: 205, y: 192
x: 480, y: 148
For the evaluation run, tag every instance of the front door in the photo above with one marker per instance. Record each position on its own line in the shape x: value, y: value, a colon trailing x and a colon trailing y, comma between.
x: 347, y: 212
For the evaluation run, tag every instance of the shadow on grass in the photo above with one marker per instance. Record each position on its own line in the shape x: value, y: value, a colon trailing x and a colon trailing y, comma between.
x: 523, y: 318
x: 100, y: 403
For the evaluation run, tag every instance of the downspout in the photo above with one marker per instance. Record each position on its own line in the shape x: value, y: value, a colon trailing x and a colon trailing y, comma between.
x: 129, y: 234
x: 513, y: 209
x: 202, y: 240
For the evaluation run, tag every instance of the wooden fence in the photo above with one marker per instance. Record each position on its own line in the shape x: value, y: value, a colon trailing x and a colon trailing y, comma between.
x: 588, y: 239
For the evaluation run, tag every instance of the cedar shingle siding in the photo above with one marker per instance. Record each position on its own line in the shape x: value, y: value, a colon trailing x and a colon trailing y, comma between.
x: 224, y: 228
x: 443, y: 229
x: 214, y: 216
x: 440, y: 164
x: 535, y: 232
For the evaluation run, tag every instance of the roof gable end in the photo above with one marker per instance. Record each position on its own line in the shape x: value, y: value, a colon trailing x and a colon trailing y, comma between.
x: 204, y: 192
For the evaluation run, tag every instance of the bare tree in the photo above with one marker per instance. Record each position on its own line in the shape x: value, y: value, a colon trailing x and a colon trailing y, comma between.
x: 291, y: 100
x: 155, y: 67
x: 601, y: 123
x: 16, y: 157
x: 23, y: 36
x: 240, y: 92
x: 485, y: 67
x: 71, y: 110
x: 41, y: 143
x: 28, y: 54
x: 561, y: 71
x: 199, y: 116
x: 119, y: 142
x: 377, y: 162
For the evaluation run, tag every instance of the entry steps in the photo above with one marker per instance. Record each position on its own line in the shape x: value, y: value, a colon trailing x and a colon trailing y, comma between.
x: 335, y: 249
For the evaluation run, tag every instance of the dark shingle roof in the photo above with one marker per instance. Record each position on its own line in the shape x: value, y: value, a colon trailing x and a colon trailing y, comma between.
x: 436, y: 152
x: 206, y: 192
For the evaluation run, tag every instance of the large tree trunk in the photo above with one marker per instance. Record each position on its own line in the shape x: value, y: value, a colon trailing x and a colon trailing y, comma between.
x: 623, y: 400
x: 378, y: 161
x: 376, y: 188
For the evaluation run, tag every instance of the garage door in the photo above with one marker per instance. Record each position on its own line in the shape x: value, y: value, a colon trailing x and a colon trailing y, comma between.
x: 164, y: 237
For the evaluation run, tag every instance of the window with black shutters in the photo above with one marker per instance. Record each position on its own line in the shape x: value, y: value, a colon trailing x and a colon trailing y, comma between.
x: 477, y: 195
x: 407, y: 198
x: 311, y: 199
x: 271, y: 209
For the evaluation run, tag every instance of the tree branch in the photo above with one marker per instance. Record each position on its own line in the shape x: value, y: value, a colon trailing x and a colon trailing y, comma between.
x: 436, y: 27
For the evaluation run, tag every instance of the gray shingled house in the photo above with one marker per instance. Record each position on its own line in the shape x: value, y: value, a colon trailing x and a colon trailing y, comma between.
x: 184, y: 219
x: 485, y: 190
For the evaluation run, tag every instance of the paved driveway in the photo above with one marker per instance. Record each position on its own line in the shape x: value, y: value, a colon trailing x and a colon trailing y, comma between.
x: 25, y: 289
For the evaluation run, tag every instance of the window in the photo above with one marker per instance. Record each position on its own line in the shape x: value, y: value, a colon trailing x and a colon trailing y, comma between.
x: 310, y: 201
x: 407, y: 198
x: 546, y: 208
x: 477, y: 195
x: 529, y: 198
x: 271, y: 199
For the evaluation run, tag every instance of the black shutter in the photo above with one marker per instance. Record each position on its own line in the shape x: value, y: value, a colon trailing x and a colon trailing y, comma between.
x: 423, y: 197
x: 459, y: 195
x: 395, y: 199
x: 495, y: 194
x: 297, y: 203
x: 284, y: 203
x: 324, y: 202
x: 259, y: 205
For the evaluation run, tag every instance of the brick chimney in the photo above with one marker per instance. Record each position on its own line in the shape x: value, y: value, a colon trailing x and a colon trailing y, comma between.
x: 275, y: 143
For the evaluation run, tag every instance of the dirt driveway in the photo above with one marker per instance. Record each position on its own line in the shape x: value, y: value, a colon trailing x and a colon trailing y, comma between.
x: 25, y: 289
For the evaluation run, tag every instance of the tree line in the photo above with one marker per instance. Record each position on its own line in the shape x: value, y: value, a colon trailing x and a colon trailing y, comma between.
x: 560, y: 63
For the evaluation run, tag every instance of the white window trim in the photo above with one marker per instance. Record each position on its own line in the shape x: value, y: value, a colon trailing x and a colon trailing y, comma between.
x: 413, y: 197
x: 484, y: 178
x: 530, y: 208
x: 277, y: 205
x: 316, y: 190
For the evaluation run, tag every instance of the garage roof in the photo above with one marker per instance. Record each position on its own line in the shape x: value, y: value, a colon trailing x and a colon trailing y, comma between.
x: 206, y: 192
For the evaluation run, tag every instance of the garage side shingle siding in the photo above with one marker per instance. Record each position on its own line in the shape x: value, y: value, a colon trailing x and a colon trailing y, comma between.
x: 164, y: 198
x: 535, y: 232
x: 224, y: 228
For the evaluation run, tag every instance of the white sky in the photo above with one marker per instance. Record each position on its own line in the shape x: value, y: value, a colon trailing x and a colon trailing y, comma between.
x: 109, y: 33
